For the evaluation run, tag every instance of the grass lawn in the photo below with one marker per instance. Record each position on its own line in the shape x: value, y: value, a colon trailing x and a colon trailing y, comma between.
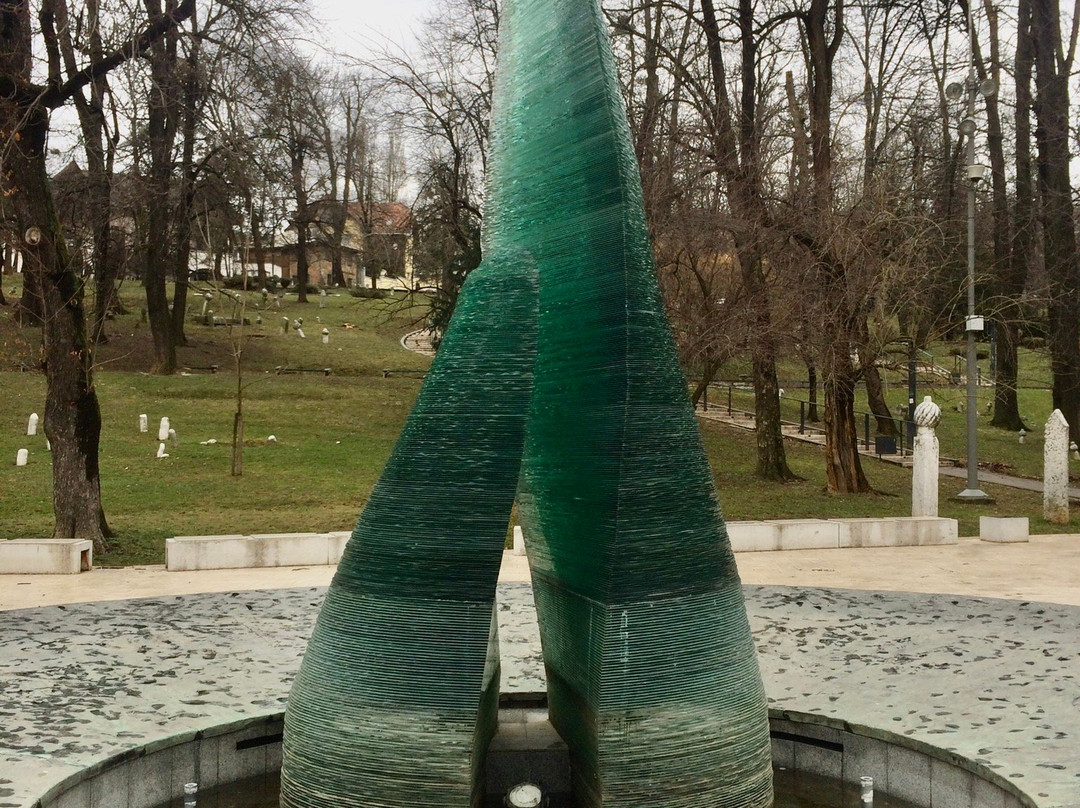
x: 334, y: 434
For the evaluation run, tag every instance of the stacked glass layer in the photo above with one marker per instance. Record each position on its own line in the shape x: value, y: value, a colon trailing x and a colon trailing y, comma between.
x: 652, y: 674
x: 397, y: 697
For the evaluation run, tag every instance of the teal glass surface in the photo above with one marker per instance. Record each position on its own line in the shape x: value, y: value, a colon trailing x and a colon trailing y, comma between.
x: 559, y: 368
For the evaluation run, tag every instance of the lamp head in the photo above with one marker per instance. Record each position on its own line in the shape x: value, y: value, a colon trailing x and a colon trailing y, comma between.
x: 967, y: 127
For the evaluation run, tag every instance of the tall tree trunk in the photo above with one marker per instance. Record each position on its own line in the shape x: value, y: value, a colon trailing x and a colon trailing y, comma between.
x: 99, y: 152
x: 738, y: 155
x: 257, y: 244
x: 1052, y: 70
x: 30, y: 311
x: 1012, y: 279
x: 72, y: 414
x: 185, y: 209
x: 843, y: 467
x: 875, y: 397
x: 162, y: 119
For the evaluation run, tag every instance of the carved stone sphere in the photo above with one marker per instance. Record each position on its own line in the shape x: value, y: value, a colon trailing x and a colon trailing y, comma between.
x: 928, y: 413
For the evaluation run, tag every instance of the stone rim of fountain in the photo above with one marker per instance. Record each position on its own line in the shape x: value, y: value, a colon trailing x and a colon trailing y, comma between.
x: 812, y: 728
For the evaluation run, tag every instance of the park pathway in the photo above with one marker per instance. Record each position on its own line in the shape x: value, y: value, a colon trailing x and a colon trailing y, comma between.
x: 743, y: 420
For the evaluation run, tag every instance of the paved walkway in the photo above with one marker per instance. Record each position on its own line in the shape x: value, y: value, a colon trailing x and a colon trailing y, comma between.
x: 746, y: 421
x: 993, y: 679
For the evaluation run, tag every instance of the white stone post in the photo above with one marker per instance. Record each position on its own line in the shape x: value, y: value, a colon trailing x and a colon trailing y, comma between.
x: 31, y: 425
x: 163, y: 429
x: 21, y: 457
x: 144, y: 423
x: 927, y: 460
x: 326, y: 336
x: 1056, y: 470
x: 322, y: 299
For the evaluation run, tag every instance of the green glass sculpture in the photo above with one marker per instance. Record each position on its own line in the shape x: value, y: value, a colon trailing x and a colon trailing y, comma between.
x: 560, y: 365
x: 397, y: 696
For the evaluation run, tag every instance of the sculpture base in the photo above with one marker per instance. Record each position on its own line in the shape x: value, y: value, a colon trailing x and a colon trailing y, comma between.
x: 975, y: 495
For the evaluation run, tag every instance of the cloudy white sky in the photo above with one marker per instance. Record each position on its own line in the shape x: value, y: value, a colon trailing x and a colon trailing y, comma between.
x: 357, y: 27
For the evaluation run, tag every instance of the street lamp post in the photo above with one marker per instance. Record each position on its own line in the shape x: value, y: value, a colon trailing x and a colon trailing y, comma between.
x: 972, y: 88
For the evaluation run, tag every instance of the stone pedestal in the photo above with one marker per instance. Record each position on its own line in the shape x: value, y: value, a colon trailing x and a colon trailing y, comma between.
x: 1056, y: 470
x: 1003, y: 529
x: 927, y: 459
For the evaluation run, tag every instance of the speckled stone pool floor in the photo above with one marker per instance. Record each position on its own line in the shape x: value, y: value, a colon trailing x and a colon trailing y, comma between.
x: 995, y: 681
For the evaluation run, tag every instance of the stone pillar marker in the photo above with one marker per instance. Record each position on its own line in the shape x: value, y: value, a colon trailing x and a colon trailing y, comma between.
x: 925, y: 471
x: 31, y: 425
x: 163, y: 429
x: 1056, y: 470
x: 21, y: 457
x: 322, y: 299
x: 326, y: 336
x: 144, y: 423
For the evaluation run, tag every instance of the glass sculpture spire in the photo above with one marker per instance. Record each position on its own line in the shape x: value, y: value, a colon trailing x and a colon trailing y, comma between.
x: 559, y: 365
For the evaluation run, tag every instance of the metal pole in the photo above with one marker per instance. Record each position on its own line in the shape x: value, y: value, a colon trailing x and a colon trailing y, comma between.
x: 911, y: 373
x: 972, y: 493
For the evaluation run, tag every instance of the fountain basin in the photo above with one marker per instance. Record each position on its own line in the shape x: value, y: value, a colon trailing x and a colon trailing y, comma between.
x: 828, y: 754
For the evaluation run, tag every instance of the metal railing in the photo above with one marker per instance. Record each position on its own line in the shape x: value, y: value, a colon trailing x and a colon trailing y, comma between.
x: 869, y: 438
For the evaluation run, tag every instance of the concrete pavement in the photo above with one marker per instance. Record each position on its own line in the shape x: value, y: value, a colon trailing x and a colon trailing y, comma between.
x: 1043, y: 569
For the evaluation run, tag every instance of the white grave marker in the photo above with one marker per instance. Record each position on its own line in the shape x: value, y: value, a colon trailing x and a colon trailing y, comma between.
x: 21, y: 457
x: 927, y: 461
x: 31, y: 425
x: 326, y: 336
x: 161, y: 451
x: 163, y: 429
x: 1056, y: 470
x: 144, y: 423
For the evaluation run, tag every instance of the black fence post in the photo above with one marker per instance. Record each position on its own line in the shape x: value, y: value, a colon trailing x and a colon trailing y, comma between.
x: 705, y: 399
x: 866, y: 429
x: 729, y: 401
x: 802, y: 417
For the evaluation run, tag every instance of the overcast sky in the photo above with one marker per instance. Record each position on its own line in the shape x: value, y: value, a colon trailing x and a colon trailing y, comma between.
x: 357, y: 27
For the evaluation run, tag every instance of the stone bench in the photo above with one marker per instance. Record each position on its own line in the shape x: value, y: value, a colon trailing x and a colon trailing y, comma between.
x: 187, y: 553
x: 46, y: 556
x: 1003, y: 529
x: 824, y: 534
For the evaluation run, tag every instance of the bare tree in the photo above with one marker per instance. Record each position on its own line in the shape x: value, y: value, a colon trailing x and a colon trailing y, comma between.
x: 72, y: 413
x: 1053, y: 65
